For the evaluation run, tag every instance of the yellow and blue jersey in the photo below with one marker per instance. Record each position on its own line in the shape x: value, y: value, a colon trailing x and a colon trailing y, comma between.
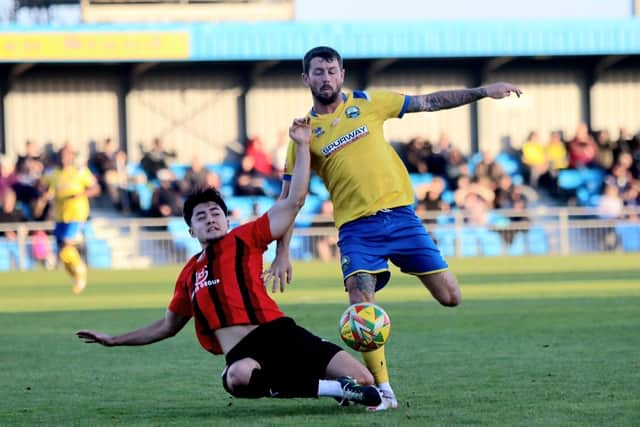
x: 68, y: 186
x: 361, y: 170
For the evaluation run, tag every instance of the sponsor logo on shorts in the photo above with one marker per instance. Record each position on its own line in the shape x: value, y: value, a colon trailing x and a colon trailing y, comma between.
x: 345, y: 140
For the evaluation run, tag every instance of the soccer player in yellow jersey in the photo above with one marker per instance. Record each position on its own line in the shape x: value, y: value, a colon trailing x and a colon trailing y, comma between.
x: 71, y: 187
x: 370, y: 190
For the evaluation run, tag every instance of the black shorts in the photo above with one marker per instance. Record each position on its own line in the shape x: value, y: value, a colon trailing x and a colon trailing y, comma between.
x: 284, y: 349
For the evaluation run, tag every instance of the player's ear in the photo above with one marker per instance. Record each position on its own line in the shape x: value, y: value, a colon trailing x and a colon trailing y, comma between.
x: 191, y: 232
x: 305, y: 79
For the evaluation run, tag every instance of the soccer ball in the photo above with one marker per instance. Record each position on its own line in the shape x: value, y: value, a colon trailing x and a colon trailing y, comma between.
x: 364, y: 326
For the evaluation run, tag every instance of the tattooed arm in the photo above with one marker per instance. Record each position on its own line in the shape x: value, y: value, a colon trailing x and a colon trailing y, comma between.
x: 445, y: 99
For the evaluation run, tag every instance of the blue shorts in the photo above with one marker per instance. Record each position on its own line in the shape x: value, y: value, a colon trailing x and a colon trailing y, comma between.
x: 70, y: 232
x: 367, y: 244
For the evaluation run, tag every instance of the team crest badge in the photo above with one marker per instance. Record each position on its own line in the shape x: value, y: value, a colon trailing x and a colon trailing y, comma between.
x: 352, y: 112
x: 318, y: 131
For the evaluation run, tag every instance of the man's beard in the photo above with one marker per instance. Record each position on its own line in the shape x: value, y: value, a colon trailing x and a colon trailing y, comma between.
x: 326, y: 100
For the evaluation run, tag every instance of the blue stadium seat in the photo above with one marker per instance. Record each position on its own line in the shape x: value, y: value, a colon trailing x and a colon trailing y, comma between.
x: 509, y: 163
x: 445, y: 240
x: 225, y: 171
x: 629, y: 236
x: 469, y: 241
x: 420, y: 178
x: 145, y: 195
x: 242, y: 204
x: 518, y: 246
x: 538, y: 242
x: 272, y: 187
x: 179, y: 170
x: 569, y: 179
x: 98, y: 253
x: 5, y: 257
x: 263, y: 203
x: 310, y: 209
x: 490, y: 242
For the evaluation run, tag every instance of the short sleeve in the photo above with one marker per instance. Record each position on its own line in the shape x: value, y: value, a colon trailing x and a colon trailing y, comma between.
x: 181, y: 301
x: 88, y: 180
x: 388, y: 104
x: 257, y: 232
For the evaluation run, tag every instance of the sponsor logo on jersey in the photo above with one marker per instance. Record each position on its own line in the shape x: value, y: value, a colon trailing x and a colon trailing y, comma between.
x: 345, y: 140
x: 202, y: 281
x: 318, y: 131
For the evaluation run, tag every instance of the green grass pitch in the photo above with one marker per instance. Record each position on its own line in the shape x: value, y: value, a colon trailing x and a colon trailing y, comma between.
x: 540, y: 341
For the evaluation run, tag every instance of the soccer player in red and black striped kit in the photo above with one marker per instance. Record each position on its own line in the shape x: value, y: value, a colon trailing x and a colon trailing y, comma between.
x: 267, y: 354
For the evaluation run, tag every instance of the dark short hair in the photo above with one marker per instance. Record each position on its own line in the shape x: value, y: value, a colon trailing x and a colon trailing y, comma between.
x: 202, y: 195
x: 324, y: 52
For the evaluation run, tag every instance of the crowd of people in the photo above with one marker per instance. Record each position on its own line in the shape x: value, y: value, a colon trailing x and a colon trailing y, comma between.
x: 513, y: 177
x: 476, y: 184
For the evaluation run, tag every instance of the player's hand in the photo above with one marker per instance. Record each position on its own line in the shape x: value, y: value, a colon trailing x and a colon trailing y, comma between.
x: 300, y: 130
x: 279, y: 274
x: 93, y: 337
x: 502, y: 90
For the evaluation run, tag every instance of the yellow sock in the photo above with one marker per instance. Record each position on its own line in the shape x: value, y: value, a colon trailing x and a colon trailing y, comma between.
x: 71, y: 259
x: 377, y: 364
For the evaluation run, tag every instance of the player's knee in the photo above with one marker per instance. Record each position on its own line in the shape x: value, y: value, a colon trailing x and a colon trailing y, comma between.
x: 238, y: 376
x: 452, y: 297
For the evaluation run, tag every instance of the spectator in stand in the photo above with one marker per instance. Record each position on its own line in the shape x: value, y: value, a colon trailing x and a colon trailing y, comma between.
x: 611, y: 204
x: 418, y: 149
x: 110, y: 167
x: 583, y: 150
x: 166, y: 199
x: 438, y: 158
x: 7, y: 176
x: 29, y: 170
x: 621, y: 176
x: 488, y: 167
x: 624, y: 142
x: 156, y: 159
x: 261, y: 159
x: 534, y: 157
x: 556, y: 152
x: 195, y: 177
x: 635, y: 155
x: 429, y: 196
x: 212, y: 180
x: 457, y: 166
x: 606, y: 149
x: 248, y: 181
x: 504, y: 193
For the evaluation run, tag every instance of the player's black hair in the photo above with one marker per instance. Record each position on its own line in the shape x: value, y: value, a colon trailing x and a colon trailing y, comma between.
x: 324, y: 52
x: 202, y: 195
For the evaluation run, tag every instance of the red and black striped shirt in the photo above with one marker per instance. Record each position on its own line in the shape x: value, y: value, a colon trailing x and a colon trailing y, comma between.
x: 222, y: 287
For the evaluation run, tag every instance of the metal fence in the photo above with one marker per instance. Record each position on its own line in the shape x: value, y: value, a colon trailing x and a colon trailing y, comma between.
x: 142, y: 242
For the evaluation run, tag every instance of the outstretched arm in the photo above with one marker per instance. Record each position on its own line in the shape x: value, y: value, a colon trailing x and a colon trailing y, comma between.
x: 280, y: 272
x: 283, y: 213
x: 445, y: 99
x: 161, y: 329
